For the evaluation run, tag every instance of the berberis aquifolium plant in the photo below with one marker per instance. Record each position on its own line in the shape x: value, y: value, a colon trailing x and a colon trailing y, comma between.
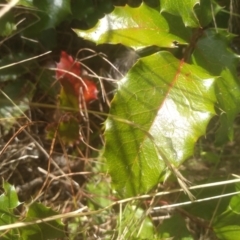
x: 119, y: 119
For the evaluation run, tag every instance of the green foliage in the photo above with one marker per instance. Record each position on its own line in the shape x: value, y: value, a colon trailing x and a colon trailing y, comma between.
x: 183, y: 9
x: 131, y: 218
x: 41, y: 231
x: 9, y: 201
x: 137, y: 149
x: 226, y: 224
x: 132, y: 27
x: 213, y: 54
x: 159, y: 111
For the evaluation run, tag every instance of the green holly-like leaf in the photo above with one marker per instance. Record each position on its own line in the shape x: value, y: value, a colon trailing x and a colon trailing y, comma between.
x: 182, y: 8
x: 213, y: 54
x: 161, y: 108
x: 49, y: 230
x: 8, y: 201
x: 133, y: 27
x: 226, y: 225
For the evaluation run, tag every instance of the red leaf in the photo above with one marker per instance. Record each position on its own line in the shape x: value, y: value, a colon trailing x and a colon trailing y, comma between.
x: 69, y: 74
x: 66, y: 65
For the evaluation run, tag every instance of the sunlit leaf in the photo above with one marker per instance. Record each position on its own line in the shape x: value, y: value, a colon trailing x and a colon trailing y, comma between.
x: 160, y: 110
x: 8, y: 201
x: 133, y: 27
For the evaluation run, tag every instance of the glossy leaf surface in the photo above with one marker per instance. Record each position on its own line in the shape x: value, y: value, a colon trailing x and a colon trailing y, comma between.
x: 133, y: 27
x: 160, y: 110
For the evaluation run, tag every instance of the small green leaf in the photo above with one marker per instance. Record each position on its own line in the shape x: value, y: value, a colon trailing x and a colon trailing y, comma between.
x: 210, y: 157
x: 161, y: 108
x: 67, y: 129
x: 213, y: 54
x: 67, y: 98
x: 42, y: 231
x: 226, y: 226
x: 231, y: 232
x: 7, y: 25
x: 133, y: 27
x: 182, y: 8
x: 131, y: 218
x: 8, y: 201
